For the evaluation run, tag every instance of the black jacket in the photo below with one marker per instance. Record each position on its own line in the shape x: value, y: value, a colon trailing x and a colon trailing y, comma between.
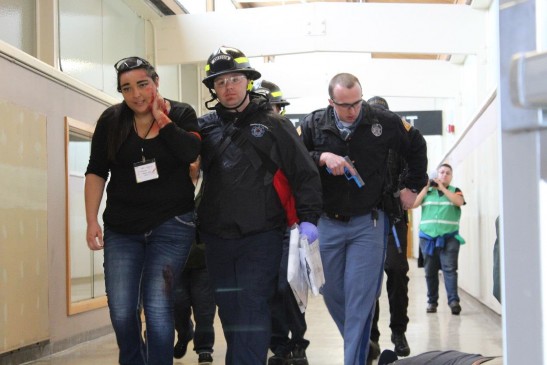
x: 378, y: 132
x: 238, y: 196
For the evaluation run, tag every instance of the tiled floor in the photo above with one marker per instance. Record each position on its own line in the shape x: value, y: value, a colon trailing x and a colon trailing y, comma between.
x: 476, y: 330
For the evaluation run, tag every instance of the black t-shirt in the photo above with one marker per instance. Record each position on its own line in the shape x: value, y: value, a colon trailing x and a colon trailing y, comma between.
x: 133, y: 207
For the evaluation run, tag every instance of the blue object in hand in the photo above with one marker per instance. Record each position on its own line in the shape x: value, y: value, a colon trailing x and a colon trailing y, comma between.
x: 356, y: 178
x: 309, y: 230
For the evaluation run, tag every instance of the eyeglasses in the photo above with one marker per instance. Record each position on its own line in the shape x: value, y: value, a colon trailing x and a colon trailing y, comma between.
x: 131, y: 63
x: 223, y: 82
x: 347, y: 106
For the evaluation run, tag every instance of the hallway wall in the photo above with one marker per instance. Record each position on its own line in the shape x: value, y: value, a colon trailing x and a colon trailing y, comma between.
x: 43, y: 90
x: 475, y: 161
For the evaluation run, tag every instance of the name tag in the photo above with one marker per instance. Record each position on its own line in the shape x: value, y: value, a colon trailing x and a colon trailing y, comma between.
x: 146, y: 170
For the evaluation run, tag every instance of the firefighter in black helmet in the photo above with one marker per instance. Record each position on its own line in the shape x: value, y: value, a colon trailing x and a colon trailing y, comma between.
x: 247, y: 151
x: 232, y: 62
x: 286, y: 315
x: 274, y: 95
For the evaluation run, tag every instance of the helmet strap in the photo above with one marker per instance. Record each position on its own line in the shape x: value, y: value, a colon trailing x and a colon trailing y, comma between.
x: 215, y: 97
x: 240, y: 104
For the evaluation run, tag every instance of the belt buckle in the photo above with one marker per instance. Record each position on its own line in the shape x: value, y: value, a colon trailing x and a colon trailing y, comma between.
x: 339, y: 217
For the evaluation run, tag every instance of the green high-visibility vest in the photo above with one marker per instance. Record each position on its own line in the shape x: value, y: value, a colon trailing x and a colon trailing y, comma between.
x: 439, y: 215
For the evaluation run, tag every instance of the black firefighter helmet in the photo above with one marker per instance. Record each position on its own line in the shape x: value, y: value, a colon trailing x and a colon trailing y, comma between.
x: 226, y: 60
x: 272, y: 92
x: 379, y: 101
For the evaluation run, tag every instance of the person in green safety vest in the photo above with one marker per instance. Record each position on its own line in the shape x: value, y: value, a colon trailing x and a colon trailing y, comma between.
x: 439, y: 237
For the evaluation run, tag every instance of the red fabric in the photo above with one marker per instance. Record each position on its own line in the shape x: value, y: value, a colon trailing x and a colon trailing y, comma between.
x: 196, y: 134
x: 284, y: 191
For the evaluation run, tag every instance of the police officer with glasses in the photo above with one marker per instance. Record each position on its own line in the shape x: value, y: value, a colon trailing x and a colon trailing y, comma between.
x: 348, y: 139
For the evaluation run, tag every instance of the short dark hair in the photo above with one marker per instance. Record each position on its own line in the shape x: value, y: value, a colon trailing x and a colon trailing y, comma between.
x: 344, y: 79
x: 445, y: 165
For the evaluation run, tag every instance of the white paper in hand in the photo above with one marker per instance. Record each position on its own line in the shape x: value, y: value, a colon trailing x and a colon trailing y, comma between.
x: 313, y: 264
x: 296, y: 276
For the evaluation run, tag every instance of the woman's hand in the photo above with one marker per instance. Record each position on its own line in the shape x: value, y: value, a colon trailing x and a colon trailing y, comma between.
x: 160, y: 110
x: 94, y: 236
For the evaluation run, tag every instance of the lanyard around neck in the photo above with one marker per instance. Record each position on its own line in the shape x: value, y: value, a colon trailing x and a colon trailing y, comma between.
x: 149, y: 128
x: 143, y: 138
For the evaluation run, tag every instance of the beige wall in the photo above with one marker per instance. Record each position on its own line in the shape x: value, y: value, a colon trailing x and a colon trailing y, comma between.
x: 52, y: 98
x: 23, y: 227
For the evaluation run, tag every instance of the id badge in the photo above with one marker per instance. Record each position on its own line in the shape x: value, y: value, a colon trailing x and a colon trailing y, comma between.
x: 146, y: 170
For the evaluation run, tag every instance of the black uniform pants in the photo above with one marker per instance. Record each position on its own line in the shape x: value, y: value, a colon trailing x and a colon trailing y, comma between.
x: 193, y: 292
x: 286, y: 315
x: 396, y: 269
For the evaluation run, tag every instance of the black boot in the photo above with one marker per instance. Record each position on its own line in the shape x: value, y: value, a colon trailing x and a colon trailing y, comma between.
x: 373, y: 351
x: 278, y: 359
x: 181, y: 347
x: 298, y: 356
x: 401, y: 345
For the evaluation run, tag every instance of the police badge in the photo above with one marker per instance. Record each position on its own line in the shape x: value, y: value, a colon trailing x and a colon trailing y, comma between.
x: 376, y: 129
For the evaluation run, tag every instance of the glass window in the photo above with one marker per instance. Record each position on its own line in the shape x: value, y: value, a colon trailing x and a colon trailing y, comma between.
x: 18, y: 24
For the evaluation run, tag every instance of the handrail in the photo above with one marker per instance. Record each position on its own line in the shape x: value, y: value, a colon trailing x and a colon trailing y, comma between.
x: 474, y: 120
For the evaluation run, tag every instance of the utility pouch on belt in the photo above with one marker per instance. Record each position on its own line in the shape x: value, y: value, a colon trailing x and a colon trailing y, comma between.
x: 391, y: 205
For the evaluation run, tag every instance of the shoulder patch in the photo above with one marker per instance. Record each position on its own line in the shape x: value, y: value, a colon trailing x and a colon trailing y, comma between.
x: 406, y: 124
x: 258, y: 130
x: 299, y: 130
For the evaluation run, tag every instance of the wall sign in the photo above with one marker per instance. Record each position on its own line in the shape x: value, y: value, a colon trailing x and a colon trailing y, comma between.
x: 428, y: 122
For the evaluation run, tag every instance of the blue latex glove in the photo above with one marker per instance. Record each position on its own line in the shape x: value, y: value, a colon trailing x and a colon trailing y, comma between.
x: 309, y: 230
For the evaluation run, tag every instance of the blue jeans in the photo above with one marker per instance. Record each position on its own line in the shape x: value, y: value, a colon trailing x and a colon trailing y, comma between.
x: 353, y: 262
x: 445, y: 259
x: 140, y: 272
x: 243, y: 273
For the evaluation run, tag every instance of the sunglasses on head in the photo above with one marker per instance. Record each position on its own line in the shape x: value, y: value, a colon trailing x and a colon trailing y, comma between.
x: 131, y: 63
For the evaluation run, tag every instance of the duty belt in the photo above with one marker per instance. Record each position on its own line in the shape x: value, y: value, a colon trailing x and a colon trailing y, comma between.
x: 338, y: 217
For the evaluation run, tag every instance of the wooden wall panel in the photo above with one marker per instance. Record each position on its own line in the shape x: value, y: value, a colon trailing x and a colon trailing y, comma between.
x: 24, y: 317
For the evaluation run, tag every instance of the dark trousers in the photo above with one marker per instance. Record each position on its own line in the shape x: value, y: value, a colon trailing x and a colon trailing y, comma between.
x: 244, y: 273
x: 193, y: 292
x: 396, y: 269
x: 286, y: 315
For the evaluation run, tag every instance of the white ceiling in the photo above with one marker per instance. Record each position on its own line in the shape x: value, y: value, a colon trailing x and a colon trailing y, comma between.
x: 208, y: 6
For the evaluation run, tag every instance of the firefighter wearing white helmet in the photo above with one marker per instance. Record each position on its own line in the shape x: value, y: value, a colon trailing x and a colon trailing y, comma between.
x: 251, y: 158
